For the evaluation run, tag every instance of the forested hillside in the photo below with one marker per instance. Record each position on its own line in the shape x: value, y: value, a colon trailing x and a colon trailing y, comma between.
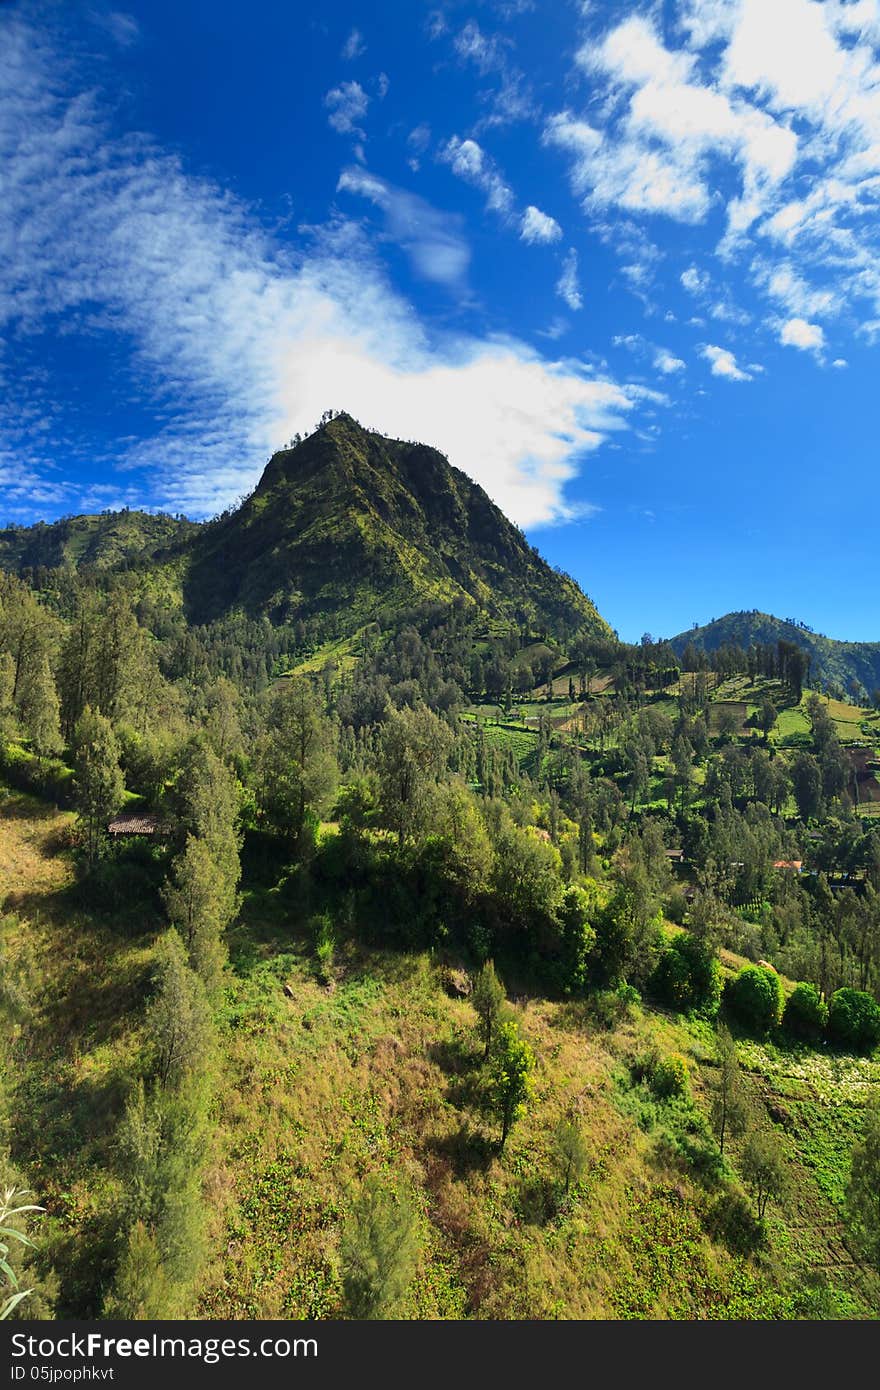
x: 852, y: 669
x: 381, y: 937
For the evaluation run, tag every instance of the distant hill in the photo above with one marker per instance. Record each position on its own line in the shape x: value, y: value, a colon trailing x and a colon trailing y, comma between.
x: 342, y: 528
x: 105, y: 541
x: 830, y: 660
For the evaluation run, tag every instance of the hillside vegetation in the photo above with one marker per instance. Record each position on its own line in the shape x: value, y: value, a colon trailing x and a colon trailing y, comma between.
x: 840, y: 664
x: 431, y: 956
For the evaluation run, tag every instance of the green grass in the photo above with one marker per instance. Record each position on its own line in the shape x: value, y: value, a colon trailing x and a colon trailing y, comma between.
x: 318, y: 1086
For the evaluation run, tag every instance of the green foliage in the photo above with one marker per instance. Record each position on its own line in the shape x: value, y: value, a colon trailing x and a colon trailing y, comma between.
x: 142, y: 1290
x: 178, y: 1024
x: 12, y: 1211
x: 513, y: 1064
x: 688, y: 976
x: 160, y: 1146
x: 571, y: 1152
x: 200, y: 901
x: 99, y: 786
x: 296, y: 770
x: 854, y: 1020
x: 325, y: 945
x: 577, y: 941
x: 863, y: 1188
x: 763, y: 1170
x: 414, y: 750
x: 489, y: 1002
x: 729, y: 1109
x: 757, y: 998
x: 670, y: 1076
x: 379, y: 1251
x: 806, y: 1013
x: 628, y: 938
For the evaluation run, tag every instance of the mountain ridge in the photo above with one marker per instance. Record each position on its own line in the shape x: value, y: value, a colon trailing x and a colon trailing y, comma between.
x: 342, y: 525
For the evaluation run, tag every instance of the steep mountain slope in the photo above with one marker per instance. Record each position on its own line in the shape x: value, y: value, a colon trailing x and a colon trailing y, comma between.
x: 349, y: 523
x: 103, y: 541
x: 831, y: 660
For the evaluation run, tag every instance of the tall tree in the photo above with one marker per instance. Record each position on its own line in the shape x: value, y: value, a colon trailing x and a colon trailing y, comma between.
x: 414, y: 750
x: 297, y: 771
x: 178, y: 1020
x: 40, y: 708
x: 99, y: 787
x: 488, y: 1000
x: 729, y: 1102
x: 512, y: 1080
x: 201, y: 901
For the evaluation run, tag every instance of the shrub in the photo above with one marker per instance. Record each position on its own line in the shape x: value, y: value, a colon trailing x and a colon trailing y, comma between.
x: 854, y: 1020
x: 670, y: 1076
x: 612, y: 1006
x: 806, y: 1013
x: 688, y: 976
x: 757, y: 998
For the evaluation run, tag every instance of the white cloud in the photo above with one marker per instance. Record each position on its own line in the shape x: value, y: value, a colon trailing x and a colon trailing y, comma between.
x: 354, y: 45
x: 233, y: 342
x: 667, y: 363
x: 723, y: 363
x: 809, y: 337
x: 567, y: 286
x: 696, y: 282
x: 538, y: 226
x: 432, y: 240
x: 347, y: 105
x: 508, y: 98
x: 763, y: 113
x: 469, y: 161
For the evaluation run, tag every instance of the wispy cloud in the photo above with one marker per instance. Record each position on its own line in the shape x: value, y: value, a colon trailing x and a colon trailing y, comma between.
x: 470, y: 162
x: 538, y: 227
x: 233, y: 342
x: 347, y: 105
x: 354, y: 46
x: 567, y: 286
x: 433, y: 240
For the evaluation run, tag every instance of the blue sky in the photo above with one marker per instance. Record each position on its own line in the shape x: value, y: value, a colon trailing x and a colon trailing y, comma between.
x: 619, y: 261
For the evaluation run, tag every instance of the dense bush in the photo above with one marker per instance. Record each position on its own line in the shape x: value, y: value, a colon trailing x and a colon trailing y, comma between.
x: 806, y: 1013
x: 854, y: 1020
x: 669, y: 1076
x: 756, y: 998
x: 688, y: 976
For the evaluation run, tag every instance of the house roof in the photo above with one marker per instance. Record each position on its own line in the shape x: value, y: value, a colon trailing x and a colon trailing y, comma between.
x: 133, y: 823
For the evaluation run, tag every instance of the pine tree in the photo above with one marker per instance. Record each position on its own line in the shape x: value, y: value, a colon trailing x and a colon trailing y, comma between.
x: 488, y: 1000
x: 40, y: 709
x: 200, y: 902
x: 380, y: 1250
x: 98, y: 781
x: 729, y: 1104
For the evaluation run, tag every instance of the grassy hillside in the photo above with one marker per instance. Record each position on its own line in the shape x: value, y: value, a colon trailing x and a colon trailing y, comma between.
x: 319, y: 1085
x: 830, y: 660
